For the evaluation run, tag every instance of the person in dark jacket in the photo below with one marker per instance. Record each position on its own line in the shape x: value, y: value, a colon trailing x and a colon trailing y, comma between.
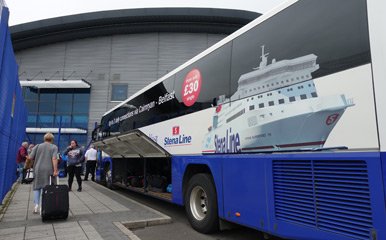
x: 20, y: 160
x: 75, y: 158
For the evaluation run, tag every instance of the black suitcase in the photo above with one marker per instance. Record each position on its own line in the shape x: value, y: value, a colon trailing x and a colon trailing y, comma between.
x: 55, y: 203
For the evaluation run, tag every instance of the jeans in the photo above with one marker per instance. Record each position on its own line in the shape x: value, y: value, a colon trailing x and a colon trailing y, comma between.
x: 37, y: 194
x: 20, y: 170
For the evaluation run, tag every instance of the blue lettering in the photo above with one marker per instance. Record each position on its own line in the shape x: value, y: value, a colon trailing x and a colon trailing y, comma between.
x: 181, y: 139
x: 230, y: 143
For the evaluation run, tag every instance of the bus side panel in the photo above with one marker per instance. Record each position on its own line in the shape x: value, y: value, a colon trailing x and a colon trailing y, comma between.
x: 246, y: 190
x: 383, y: 162
x: 378, y: 199
x: 179, y: 166
x: 307, y: 196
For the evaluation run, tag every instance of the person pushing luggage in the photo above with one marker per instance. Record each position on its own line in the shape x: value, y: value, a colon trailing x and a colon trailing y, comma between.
x: 45, y: 164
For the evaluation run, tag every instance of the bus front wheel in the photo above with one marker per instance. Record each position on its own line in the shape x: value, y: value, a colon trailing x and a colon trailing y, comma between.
x: 201, y: 203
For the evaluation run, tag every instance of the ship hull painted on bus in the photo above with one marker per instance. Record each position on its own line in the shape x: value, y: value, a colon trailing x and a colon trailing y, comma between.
x: 305, y: 124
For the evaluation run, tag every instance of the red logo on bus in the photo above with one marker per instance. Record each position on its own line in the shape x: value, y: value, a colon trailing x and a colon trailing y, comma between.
x: 191, y: 87
x: 332, y: 118
x: 176, y: 130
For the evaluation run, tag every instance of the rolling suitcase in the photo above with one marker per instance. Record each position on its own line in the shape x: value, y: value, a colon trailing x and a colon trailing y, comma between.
x: 55, y: 203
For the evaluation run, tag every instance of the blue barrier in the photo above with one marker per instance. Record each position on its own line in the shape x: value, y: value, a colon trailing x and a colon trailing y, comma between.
x: 13, y: 113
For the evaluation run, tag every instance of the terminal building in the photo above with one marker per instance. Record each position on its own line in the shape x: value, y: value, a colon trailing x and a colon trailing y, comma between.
x: 75, y: 68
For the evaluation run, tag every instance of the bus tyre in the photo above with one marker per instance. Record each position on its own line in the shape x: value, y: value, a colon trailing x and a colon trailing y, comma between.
x: 201, y: 203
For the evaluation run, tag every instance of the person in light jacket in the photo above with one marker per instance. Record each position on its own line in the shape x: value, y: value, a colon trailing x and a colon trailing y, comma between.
x: 75, y: 158
x: 45, y: 164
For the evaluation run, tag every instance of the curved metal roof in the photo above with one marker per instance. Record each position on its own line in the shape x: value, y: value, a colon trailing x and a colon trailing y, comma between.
x: 128, y: 21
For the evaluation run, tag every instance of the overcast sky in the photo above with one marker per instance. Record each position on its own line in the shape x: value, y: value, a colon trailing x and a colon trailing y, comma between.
x: 22, y: 11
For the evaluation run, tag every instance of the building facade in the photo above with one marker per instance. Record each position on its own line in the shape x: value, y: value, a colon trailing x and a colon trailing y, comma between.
x: 75, y: 68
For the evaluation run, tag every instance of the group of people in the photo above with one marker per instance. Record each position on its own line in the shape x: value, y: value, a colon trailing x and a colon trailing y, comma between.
x: 45, y: 164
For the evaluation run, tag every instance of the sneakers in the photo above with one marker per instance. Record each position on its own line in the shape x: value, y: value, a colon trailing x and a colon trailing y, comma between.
x: 79, y: 189
x: 36, y: 209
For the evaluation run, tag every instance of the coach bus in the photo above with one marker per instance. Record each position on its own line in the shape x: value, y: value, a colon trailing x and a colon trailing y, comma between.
x: 280, y: 127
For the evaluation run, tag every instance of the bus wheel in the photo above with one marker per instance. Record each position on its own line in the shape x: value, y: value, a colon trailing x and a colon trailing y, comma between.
x: 201, y: 203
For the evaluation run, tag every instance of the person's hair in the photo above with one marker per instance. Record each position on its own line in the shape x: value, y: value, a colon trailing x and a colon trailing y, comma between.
x: 49, y: 137
x: 76, y: 142
x: 92, y: 146
x: 25, y: 144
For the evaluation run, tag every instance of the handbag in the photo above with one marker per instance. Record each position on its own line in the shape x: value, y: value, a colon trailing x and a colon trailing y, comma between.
x: 29, y: 176
x: 28, y: 163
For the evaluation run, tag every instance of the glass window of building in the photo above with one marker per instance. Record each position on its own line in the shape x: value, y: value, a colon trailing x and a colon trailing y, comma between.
x: 54, y: 108
x: 63, y: 108
x: 31, y: 120
x: 32, y: 106
x: 118, y: 92
x: 47, y: 107
x: 79, y: 121
x: 64, y: 96
x: 45, y: 121
x: 63, y: 121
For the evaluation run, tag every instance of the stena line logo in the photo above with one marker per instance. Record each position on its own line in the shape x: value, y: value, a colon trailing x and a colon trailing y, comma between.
x: 177, y: 139
x: 230, y: 143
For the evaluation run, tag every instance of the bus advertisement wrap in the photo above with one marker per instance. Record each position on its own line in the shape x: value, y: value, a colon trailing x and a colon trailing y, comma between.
x: 275, y: 128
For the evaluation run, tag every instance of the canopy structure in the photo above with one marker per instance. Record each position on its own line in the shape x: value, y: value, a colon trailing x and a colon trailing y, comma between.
x: 69, y: 83
x: 56, y: 130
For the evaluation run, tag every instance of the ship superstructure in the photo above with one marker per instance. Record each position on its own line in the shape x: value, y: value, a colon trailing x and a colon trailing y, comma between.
x: 276, y: 107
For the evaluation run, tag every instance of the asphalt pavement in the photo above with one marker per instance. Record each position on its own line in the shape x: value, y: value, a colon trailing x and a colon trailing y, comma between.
x: 180, y: 227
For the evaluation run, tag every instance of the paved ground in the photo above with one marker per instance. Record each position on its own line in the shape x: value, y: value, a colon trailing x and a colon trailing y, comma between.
x: 95, y: 213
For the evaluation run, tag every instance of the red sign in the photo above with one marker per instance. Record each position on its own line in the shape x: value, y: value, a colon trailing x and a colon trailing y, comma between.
x: 332, y: 118
x: 176, y: 130
x: 191, y: 87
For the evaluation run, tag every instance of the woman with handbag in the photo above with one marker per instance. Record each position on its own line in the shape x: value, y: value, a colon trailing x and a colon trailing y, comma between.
x: 44, y: 164
x: 75, y: 158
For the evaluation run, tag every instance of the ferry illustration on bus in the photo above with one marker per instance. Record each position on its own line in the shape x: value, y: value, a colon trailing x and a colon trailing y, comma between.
x: 279, y: 109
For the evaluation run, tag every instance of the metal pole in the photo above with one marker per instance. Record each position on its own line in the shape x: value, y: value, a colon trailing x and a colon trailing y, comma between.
x: 60, y: 128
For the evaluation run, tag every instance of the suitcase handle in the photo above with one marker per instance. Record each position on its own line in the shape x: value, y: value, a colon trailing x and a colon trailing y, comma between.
x: 57, y: 180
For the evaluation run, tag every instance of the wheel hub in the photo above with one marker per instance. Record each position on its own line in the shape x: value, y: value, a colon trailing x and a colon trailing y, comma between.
x: 198, y: 203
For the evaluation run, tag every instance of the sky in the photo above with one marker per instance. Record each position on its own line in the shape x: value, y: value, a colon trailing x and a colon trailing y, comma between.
x: 22, y: 11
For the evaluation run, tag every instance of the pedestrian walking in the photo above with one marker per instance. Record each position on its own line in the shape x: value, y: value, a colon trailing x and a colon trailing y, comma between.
x: 20, y: 160
x: 75, y: 158
x: 91, y: 160
x: 45, y: 164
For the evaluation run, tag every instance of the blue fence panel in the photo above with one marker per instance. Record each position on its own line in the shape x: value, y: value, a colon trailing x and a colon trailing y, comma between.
x: 3, y: 31
x: 13, y: 111
x: 3, y: 165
